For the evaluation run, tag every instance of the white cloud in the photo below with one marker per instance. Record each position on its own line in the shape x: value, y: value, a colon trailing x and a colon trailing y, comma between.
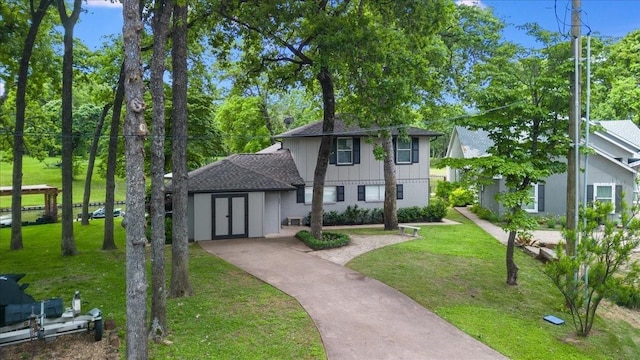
x: 104, y: 3
x: 1, y: 88
x: 477, y: 3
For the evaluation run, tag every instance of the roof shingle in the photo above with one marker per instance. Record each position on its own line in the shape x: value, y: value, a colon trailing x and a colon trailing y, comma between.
x: 246, y: 172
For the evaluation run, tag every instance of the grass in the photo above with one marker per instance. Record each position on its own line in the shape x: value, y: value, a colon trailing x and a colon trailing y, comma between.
x: 38, y: 173
x: 458, y: 272
x: 231, y: 316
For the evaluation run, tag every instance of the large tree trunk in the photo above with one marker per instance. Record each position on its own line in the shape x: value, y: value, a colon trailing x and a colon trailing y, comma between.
x: 390, y: 190
x: 180, y: 283
x: 92, y: 159
x: 161, y: 25
x: 68, y: 22
x: 18, y: 139
x: 329, y: 114
x: 108, y: 242
x: 135, y: 131
x: 512, y: 268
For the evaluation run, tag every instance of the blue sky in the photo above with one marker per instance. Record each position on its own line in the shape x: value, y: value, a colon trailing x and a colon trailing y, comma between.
x: 613, y: 18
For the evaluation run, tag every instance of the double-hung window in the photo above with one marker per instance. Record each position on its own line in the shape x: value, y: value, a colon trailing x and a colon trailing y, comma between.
x: 375, y: 193
x: 344, y: 149
x: 331, y: 194
x: 403, y: 151
x: 605, y: 193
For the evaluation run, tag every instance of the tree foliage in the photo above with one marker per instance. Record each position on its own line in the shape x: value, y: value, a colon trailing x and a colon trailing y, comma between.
x: 616, y: 94
x: 600, y: 265
x: 243, y: 125
x: 522, y: 97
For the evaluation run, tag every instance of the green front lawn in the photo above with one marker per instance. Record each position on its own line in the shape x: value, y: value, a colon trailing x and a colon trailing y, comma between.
x: 231, y: 316
x: 459, y: 273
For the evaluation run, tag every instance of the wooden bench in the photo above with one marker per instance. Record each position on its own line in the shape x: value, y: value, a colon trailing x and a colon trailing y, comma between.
x: 290, y: 219
x: 404, y: 227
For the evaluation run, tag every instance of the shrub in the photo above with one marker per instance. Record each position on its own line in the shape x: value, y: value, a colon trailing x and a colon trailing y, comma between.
x: 376, y: 216
x: 354, y: 215
x: 410, y: 214
x: 329, y: 240
x: 626, y: 295
x: 461, y: 197
x: 444, y: 188
x: 331, y: 218
x: 552, y: 221
x: 435, y: 211
x: 484, y: 213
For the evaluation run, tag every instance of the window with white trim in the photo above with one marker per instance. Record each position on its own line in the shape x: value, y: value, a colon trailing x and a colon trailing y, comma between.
x: 403, y: 151
x: 330, y: 195
x: 344, y: 149
x: 374, y: 193
x: 605, y: 193
x: 532, y: 202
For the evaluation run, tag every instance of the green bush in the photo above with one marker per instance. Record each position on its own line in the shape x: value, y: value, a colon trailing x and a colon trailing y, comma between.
x: 376, y: 216
x: 484, y: 214
x: 435, y: 211
x: 627, y: 296
x: 353, y: 215
x: 410, y: 214
x: 444, y: 188
x: 329, y: 240
x: 461, y: 197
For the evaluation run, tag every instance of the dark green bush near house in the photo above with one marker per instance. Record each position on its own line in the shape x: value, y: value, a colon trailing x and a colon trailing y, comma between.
x: 410, y: 214
x: 329, y: 240
x: 354, y: 215
x: 435, y: 212
x: 376, y: 216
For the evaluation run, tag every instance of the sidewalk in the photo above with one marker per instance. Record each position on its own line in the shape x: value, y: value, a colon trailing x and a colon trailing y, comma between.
x: 543, y: 236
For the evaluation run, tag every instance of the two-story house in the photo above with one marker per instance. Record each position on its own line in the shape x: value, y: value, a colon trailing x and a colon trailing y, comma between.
x: 252, y: 195
x: 611, y: 169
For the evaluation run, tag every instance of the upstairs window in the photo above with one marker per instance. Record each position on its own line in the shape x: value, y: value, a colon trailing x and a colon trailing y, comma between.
x: 406, y: 150
x: 403, y: 151
x: 344, y: 151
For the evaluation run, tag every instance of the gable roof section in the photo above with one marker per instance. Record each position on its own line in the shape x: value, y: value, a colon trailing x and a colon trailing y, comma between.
x: 624, y: 130
x: 246, y: 173
x: 474, y: 143
x: 342, y: 129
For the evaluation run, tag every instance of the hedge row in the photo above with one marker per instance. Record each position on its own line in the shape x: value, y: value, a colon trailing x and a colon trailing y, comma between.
x: 355, y: 215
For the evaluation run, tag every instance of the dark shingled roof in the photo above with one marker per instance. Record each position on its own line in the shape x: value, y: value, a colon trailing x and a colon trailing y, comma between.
x: 246, y: 172
x: 341, y: 129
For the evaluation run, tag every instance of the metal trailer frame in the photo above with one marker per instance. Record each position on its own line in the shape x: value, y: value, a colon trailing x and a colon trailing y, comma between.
x: 41, y: 327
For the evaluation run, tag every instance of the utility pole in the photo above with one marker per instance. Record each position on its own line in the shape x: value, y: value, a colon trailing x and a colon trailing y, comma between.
x: 574, y: 130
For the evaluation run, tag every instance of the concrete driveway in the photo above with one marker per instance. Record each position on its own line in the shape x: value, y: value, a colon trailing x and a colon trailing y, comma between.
x: 357, y: 317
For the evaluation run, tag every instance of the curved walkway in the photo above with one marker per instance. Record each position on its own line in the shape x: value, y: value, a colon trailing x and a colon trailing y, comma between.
x: 358, y: 317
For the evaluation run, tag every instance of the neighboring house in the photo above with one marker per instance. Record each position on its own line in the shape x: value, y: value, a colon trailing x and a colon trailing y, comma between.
x: 612, y: 169
x: 253, y: 195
